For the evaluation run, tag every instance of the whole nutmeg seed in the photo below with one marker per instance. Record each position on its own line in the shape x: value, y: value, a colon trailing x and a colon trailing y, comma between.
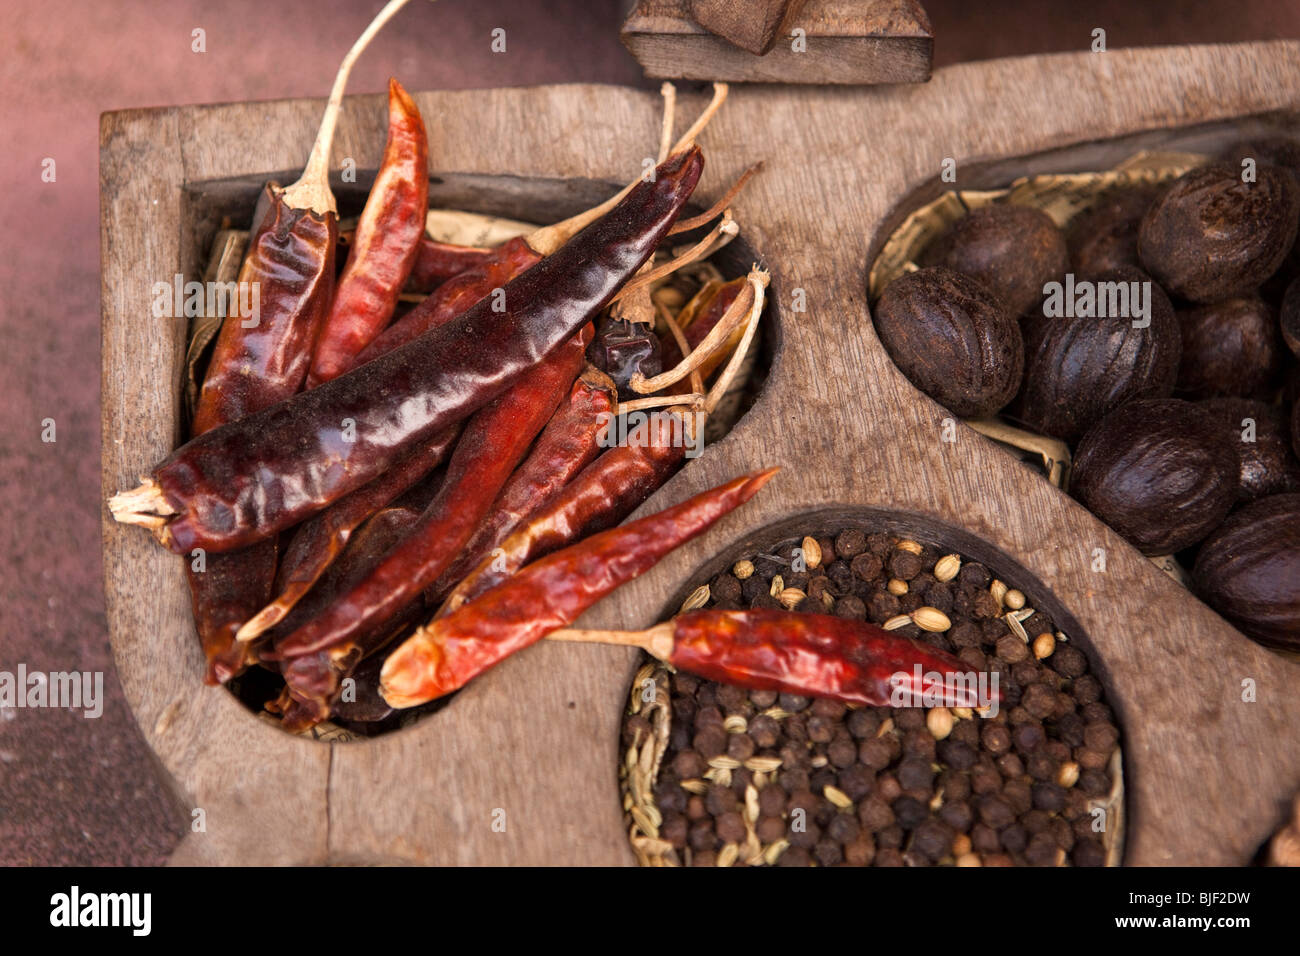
x: 1229, y: 348
x: 1249, y: 570
x: 1157, y: 472
x: 1105, y: 235
x: 1079, y: 368
x: 1011, y: 250
x: 1258, y: 434
x: 1211, y: 236
x: 952, y: 339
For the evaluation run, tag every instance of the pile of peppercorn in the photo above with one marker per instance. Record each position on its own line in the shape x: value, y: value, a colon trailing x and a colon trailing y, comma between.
x: 764, y: 778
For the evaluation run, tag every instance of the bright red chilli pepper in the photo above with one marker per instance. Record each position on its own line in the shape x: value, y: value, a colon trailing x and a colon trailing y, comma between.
x: 450, y: 651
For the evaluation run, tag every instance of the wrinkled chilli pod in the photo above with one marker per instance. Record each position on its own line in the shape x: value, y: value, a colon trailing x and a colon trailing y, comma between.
x: 319, y: 540
x: 614, y: 485
x: 261, y: 357
x: 813, y: 655
x: 436, y: 262
x: 570, y: 441
x: 384, y: 245
x: 250, y: 479
x: 450, y: 651
x: 492, y: 444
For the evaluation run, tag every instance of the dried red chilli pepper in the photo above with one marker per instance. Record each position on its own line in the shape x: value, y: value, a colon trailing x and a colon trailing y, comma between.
x: 250, y: 479
x: 319, y: 541
x: 452, y: 298
x: 450, y: 651
x: 602, y: 495
x: 230, y: 588
x: 492, y: 444
x: 623, y: 348
x: 814, y: 655
x: 568, y: 443
x: 383, y: 247
x: 436, y: 262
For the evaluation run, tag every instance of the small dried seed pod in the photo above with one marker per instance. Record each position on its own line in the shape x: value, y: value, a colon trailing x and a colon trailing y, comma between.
x: 791, y: 598
x: 1268, y: 466
x: 1157, y: 473
x: 1229, y: 348
x: 1211, y: 236
x: 812, y: 552
x: 1105, y: 236
x: 907, y: 544
x: 743, y: 569
x: 1068, y: 775
x: 697, y: 599
x: 1014, y: 599
x: 894, y: 623
x: 939, y: 722
x: 1011, y: 250
x: 1249, y: 570
x: 947, y: 567
x: 896, y: 587
x: 1079, y: 368
x: 953, y: 340
x: 1044, y: 645
x: 931, y: 619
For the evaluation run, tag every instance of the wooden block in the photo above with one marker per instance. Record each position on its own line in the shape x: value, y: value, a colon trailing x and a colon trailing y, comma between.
x: 843, y: 42
x: 752, y: 26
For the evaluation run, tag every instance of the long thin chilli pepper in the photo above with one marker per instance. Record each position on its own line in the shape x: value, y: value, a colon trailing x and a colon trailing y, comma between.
x: 551, y: 593
x: 319, y: 541
x: 493, y: 443
x: 813, y: 655
x: 568, y: 443
x: 436, y: 262
x: 452, y: 298
x: 602, y: 495
x: 383, y: 247
x: 250, y: 479
x: 229, y: 588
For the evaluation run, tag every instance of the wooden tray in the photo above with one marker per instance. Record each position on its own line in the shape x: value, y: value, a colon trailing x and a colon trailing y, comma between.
x: 1208, y: 775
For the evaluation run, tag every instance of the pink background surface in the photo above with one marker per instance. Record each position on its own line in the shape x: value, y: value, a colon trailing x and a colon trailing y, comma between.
x: 74, y: 790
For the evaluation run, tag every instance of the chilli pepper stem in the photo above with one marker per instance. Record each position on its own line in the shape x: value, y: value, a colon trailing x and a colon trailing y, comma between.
x: 686, y: 225
x: 656, y: 641
x: 727, y: 227
x: 312, y: 190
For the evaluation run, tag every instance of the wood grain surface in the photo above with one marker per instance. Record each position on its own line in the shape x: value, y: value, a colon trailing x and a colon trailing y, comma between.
x: 534, y: 743
x: 845, y: 41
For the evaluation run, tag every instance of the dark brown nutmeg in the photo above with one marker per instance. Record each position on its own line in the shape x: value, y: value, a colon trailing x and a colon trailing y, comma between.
x: 1013, y: 250
x: 952, y: 339
x: 1211, y: 236
x: 1259, y: 435
x: 1158, y: 472
x: 1105, y: 236
x: 1290, y: 317
x: 1229, y: 348
x: 1249, y: 570
x: 1079, y: 367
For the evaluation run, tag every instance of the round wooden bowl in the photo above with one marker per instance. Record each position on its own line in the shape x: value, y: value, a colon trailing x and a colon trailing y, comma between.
x: 520, y: 766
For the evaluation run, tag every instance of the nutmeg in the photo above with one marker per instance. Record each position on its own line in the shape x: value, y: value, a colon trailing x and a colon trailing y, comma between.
x: 1249, y: 570
x: 1105, y: 235
x: 1211, y: 236
x: 1012, y: 250
x: 1229, y: 348
x: 1158, y: 472
x: 1290, y: 317
x: 1079, y: 368
x: 952, y: 339
x: 1259, y: 435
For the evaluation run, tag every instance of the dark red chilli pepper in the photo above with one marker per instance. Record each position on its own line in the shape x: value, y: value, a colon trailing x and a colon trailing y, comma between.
x: 492, y: 444
x: 567, y: 445
x: 250, y: 479
x: 450, y: 651
x: 230, y: 588
x: 383, y: 247
x: 623, y: 348
x: 602, y: 495
x: 436, y: 262
x: 453, y: 297
x: 318, y: 541
x: 813, y: 655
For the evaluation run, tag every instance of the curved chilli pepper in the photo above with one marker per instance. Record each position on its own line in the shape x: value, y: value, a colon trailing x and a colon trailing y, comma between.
x: 567, y: 445
x: 436, y: 262
x: 320, y: 540
x: 453, y: 297
x: 261, y: 356
x: 491, y: 446
x: 230, y: 588
x: 250, y: 479
x: 602, y: 495
x: 384, y: 245
x: 816, y: 655
x: 450, y: 651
